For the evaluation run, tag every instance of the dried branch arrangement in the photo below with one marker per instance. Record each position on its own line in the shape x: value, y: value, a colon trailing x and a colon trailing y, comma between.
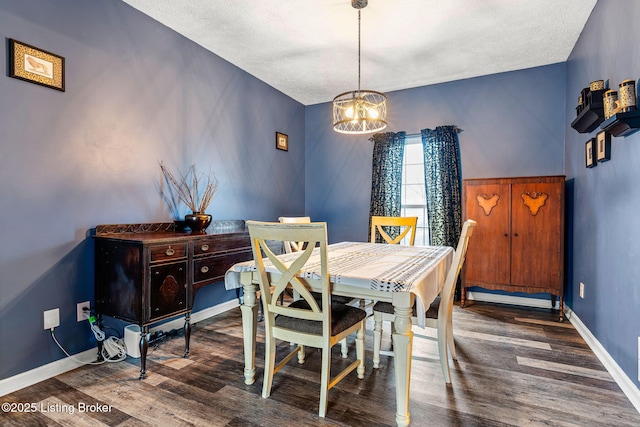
x: 195, y: 191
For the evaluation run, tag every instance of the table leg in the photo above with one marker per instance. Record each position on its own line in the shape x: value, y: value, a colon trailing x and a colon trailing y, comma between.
x: 402, y: 347
x: 249, y: 310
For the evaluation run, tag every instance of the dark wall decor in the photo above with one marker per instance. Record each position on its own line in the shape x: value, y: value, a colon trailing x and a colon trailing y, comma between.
x: 603, y: 146
x: 590, y: 153
x: 590, y: 111
x: 36, y: 65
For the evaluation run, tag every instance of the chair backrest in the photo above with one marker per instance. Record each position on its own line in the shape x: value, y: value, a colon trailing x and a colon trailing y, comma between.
x: 446, y: 298
x: 409, y: 222
x: 313, y: 234
x: 293, y: 246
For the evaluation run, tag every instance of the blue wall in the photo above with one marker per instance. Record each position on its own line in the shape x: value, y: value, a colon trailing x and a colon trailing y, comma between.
x: 606, y: 199
x: 513, y: 125
x: 136, y: 93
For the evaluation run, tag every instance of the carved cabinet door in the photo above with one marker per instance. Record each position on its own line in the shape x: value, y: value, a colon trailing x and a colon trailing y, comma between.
x: 488, y: 253
x: 168, y: 290
x: 536, y: 251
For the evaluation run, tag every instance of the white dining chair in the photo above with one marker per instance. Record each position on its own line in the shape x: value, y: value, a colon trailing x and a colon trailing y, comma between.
x: 293, y: 246
x: 438, y: 315
x: 297, y: 246
x: 306, y: 322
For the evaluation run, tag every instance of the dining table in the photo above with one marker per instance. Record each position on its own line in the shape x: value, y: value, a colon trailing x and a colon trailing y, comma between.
x: 399, y: 274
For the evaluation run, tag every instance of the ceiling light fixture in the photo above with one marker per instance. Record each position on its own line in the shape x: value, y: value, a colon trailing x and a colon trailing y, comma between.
x: 359, y: 111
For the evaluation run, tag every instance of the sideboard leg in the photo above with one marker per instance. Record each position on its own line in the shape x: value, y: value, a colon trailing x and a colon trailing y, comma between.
x: 100, y: 343
x: 187, y: 333
x: 144, y: 346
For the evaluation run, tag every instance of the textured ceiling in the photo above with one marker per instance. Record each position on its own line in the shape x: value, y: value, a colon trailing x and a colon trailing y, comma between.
x: 308, y: 49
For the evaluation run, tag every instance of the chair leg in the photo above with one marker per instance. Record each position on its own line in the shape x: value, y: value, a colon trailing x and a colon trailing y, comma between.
x: 360, y: 350
x: 442, y: 350
x: 269, y: 366
x: 450, y: 341
x: 377, y: 338
x: 344, y: 348
x: 325, y: 376
x: 301, y: 355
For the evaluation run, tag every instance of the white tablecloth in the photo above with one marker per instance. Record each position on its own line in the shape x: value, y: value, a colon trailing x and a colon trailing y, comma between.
x: 382, y: 267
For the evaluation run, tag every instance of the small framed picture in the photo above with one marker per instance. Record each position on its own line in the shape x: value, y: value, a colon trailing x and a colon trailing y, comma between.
x: 282, y: 141
x: 590, y: 153
x: 604, y: 146
x: 35, y: 65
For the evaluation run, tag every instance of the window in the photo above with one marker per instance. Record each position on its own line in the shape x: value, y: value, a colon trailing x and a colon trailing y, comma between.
x: 414, y: 197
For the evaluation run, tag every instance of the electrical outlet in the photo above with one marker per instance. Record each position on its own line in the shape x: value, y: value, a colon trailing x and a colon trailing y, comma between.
x: 80, y: 312
x: 52, y: 318
x: 581, y: 290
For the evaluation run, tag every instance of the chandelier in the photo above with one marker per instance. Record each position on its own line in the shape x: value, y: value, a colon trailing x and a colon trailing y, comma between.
x: 359, y: 111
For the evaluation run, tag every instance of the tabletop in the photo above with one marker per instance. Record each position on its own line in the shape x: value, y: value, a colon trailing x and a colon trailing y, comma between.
x: 420, y: 270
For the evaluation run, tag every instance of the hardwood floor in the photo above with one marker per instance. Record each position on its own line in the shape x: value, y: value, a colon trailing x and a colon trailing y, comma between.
x: 516, y: 367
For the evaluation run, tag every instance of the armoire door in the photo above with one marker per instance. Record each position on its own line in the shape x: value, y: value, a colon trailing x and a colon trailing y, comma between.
x: 488, y: 254
x: 536, y: 249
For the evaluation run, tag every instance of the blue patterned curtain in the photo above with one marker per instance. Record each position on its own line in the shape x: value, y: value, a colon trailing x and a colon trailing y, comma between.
x: 386, y: 176
x: 443, y: 182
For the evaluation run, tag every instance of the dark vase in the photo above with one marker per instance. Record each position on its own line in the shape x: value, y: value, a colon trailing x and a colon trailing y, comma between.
x: 197, y: 221
x: 181, y: 225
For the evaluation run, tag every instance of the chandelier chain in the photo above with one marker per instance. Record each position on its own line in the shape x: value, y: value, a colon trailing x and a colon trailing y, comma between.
x: 358, y: 50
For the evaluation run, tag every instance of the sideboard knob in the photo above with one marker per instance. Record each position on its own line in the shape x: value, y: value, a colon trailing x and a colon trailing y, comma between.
x: 170, y: 252
x: 204, y: 248
x: 204, y: 269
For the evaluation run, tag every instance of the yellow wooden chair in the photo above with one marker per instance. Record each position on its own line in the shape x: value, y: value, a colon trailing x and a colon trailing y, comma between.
x: 439, y: 314
x: 306, y: 321
x: 408, y: 222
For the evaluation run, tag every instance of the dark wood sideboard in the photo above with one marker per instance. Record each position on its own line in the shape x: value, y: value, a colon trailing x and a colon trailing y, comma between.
x: 147, y: 273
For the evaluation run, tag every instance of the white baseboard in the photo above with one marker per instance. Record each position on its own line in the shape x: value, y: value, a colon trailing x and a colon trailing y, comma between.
x: 50, y: 370
x: 624, y: 382
x: 513, y: 300
x: 196, y: 317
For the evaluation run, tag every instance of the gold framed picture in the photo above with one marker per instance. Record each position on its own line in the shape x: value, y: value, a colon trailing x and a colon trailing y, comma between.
x: 604, y: 146
x: 35, y: 65
x: 282, y: 141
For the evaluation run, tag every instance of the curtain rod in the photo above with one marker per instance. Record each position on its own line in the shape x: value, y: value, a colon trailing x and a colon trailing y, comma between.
x: 413, y: 135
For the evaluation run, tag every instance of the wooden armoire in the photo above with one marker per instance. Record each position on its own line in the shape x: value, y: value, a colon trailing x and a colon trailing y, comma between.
x: 518, y: 244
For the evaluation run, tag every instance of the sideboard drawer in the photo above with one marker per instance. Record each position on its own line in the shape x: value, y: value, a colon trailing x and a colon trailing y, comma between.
x: 220, y: 243
x: 168, y: 252
x: 210, y: 269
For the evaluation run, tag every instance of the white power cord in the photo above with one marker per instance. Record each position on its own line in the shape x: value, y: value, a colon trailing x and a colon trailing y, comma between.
x: 113, y: 348
x: 53, y: 335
